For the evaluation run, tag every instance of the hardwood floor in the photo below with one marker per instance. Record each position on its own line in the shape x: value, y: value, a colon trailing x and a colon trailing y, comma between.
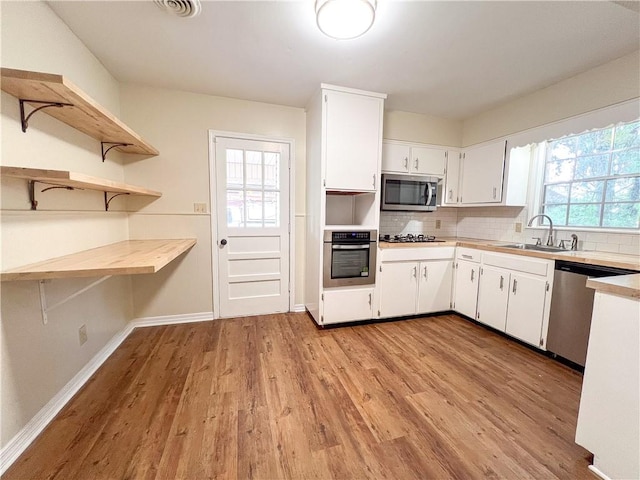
x: 274, y: 397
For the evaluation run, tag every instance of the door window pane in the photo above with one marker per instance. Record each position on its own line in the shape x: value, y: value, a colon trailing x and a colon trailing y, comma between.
x: 235, y: 176
x: 254, y: 208
x: 271, y: 170
x: 254, y: 169
x: 235, y: 208
x: 271, y: 209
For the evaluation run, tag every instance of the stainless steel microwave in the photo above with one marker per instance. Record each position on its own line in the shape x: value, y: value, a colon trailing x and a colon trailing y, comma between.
x: 409, y: 193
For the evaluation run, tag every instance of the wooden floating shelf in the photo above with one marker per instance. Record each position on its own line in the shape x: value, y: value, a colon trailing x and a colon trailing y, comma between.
x: 65, y: 178
x: 85, y: 115
x: 130, y: 257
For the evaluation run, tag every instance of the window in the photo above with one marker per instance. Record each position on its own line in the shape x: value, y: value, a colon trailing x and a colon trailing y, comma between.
x: 593, y: 179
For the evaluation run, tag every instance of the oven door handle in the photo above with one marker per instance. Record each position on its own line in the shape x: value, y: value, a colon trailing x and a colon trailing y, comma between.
x: 351, y: 247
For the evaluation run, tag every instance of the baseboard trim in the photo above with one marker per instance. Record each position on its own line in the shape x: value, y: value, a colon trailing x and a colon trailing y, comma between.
x: 298, y: 308
x: 597, y: 472
x: 19, y: 443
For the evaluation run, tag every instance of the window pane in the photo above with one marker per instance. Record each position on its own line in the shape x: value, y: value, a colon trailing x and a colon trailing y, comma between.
x: 560, y: 171
x: 558, y: 213
x: 622, y: 215
x: 583, y: 192
x: 595, y: 142
x: 234, y: 169
x: 625, y: 162
x: 254, y: 169
x: 235, y: 209
x: 563, y: 149
x: 623, y: 190
x: 271, y: 170
x: 557, y: 193
x: 592, y: 166
x: 584, y: 215
x: 627, y: 136
x: 271, y: 209
x: 254, y: 208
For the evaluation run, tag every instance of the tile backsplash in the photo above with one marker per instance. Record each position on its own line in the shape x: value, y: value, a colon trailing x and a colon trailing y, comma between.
x: 499, y: 223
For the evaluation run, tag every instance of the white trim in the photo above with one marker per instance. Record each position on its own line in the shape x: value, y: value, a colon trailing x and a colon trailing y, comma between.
x: 213, y: 134
x: 597, y: 472
x: 19, y: 443
x: 298, y: 308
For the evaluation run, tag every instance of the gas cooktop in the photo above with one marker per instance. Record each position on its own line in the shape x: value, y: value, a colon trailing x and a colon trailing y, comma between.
x: 409, y: 238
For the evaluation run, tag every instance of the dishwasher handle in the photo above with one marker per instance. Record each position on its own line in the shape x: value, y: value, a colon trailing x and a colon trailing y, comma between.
x: 591, y: 270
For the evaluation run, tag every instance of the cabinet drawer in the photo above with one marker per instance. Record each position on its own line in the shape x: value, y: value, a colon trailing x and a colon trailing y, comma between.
x: 468, y: 254
x: 416, y: 254
x: 518, y: 263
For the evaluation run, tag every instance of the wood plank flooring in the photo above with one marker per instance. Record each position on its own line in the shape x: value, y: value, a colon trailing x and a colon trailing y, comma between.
x: 273, y: 397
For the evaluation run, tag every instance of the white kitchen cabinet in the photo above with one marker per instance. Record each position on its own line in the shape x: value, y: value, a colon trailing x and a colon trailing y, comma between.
x: 415, y: 280
x: 416, y: 159
x: 525, y: 311
x: 493, y: 295
x: 347, y: 305
x: 434, y: 291
x: 482, y: 173
x: 352, y: 140
x: 398, y: 288
x: 451, y: 190
x: 466, y: 287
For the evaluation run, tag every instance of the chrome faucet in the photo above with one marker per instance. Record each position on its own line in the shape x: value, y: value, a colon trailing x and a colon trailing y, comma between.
x: 550, y: 238
x: 574, y: 241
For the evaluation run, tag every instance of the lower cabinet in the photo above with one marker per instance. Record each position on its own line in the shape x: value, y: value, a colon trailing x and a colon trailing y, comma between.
x: 492, y: 297
x: 525, y: 310
x: 410, y: 288
x: 466, y: 288
x: 347, y: 305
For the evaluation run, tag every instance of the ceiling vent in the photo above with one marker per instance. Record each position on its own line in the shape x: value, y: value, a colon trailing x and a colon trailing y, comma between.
x: 181, y: 8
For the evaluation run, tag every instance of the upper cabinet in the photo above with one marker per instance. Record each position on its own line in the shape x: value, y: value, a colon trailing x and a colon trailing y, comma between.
x: 352, y: 138
x: 482, y: 171
x: 402, y: 157
x: 451, y: 188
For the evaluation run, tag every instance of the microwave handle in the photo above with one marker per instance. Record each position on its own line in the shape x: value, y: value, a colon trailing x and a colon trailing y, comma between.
x: 429, y: 188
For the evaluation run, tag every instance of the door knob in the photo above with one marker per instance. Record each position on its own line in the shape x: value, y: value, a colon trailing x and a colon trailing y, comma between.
x: 223, y: 242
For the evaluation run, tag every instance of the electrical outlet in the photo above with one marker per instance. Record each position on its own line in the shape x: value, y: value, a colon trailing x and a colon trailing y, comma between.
x: 518, y: 227
x: 438, y: 223
x: 200, y: 207
x: 82, y: 334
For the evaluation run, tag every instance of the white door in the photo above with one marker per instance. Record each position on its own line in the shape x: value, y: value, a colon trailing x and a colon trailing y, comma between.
x: 466, y: 288
x: 347, y: 305
x: 395, y: 157
x: 451, y: 194
x: 482, y: 173
x: 525, y: 312
x: 252, y: 203
x: 493, y: 297
x: 398, y: 289
x: 427, y: 161
x: 435, y: 286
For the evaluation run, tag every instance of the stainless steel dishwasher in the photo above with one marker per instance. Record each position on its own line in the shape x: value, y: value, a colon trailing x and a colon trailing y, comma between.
x: 571, y: 308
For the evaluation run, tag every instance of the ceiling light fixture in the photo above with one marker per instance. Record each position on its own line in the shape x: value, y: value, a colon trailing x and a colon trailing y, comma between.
x: 345, y: 19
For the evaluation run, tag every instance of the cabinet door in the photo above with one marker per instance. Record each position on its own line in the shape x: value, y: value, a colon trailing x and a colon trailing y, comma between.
x: 434, y: 290
x: 347, y: 305
x: 451, y: 194
x: 395, y: 158
x: 466, y: 295
x: 493, y: 295
x: 398, y: 289
x: 482, y: 172
x: 352, y: 141
x: 525, y: 311
x: 427, y: 161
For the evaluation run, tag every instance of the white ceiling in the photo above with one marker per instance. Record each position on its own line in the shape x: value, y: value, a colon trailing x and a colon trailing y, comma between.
x: 450, y: 59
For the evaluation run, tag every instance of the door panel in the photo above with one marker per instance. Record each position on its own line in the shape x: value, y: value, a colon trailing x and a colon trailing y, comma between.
x: 347, y: 305
x: 492, y: 297
x: 426, y: 160
x: 435, y: 286
x: 526, y: 308
x: 398, y: 289
x: 482, y: 173
x: 252, y: 198
x: 466, y: 288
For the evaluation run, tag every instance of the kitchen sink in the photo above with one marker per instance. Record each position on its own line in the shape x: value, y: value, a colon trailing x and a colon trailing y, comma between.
x: 538, y: 248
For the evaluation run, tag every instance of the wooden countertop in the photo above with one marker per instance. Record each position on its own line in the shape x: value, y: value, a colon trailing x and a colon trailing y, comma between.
x: 123, y: 258
x: 623, y: 285
x: 616, y: 260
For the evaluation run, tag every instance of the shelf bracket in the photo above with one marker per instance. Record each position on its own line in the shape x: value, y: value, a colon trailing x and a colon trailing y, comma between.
x: 107, y: 199
x: 25, y: 120
x: 32, y: 191
x: 45, y: 309
x: 112, y: 145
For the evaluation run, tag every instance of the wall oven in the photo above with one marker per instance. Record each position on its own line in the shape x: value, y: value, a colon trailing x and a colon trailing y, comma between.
x: 409, y: 192
x: 349, y: 258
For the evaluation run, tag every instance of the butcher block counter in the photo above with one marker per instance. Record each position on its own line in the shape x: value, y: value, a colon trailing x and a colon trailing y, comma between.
x: 615, y: 260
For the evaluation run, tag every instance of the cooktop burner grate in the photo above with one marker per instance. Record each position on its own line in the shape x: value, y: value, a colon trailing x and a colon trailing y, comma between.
x: 409, y: 238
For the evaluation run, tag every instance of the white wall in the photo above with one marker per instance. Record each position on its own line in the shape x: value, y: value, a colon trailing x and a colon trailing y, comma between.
x: 414, y: 127
x: 38, y: 360
x: 177, y: 123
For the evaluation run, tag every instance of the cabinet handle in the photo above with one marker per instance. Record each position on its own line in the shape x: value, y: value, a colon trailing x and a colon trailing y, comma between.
x: 467, y: 256
x: 417, y: 164
x: 415, y: 272
x: 495, y: 190
x: 425, y: 273
x: 406, y: 163
x: 374, y: 180
x: 501, y: 282
x: 370, y: 299
x: 515, y: 285
x: 450, y: 194
x: 472, y: 275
